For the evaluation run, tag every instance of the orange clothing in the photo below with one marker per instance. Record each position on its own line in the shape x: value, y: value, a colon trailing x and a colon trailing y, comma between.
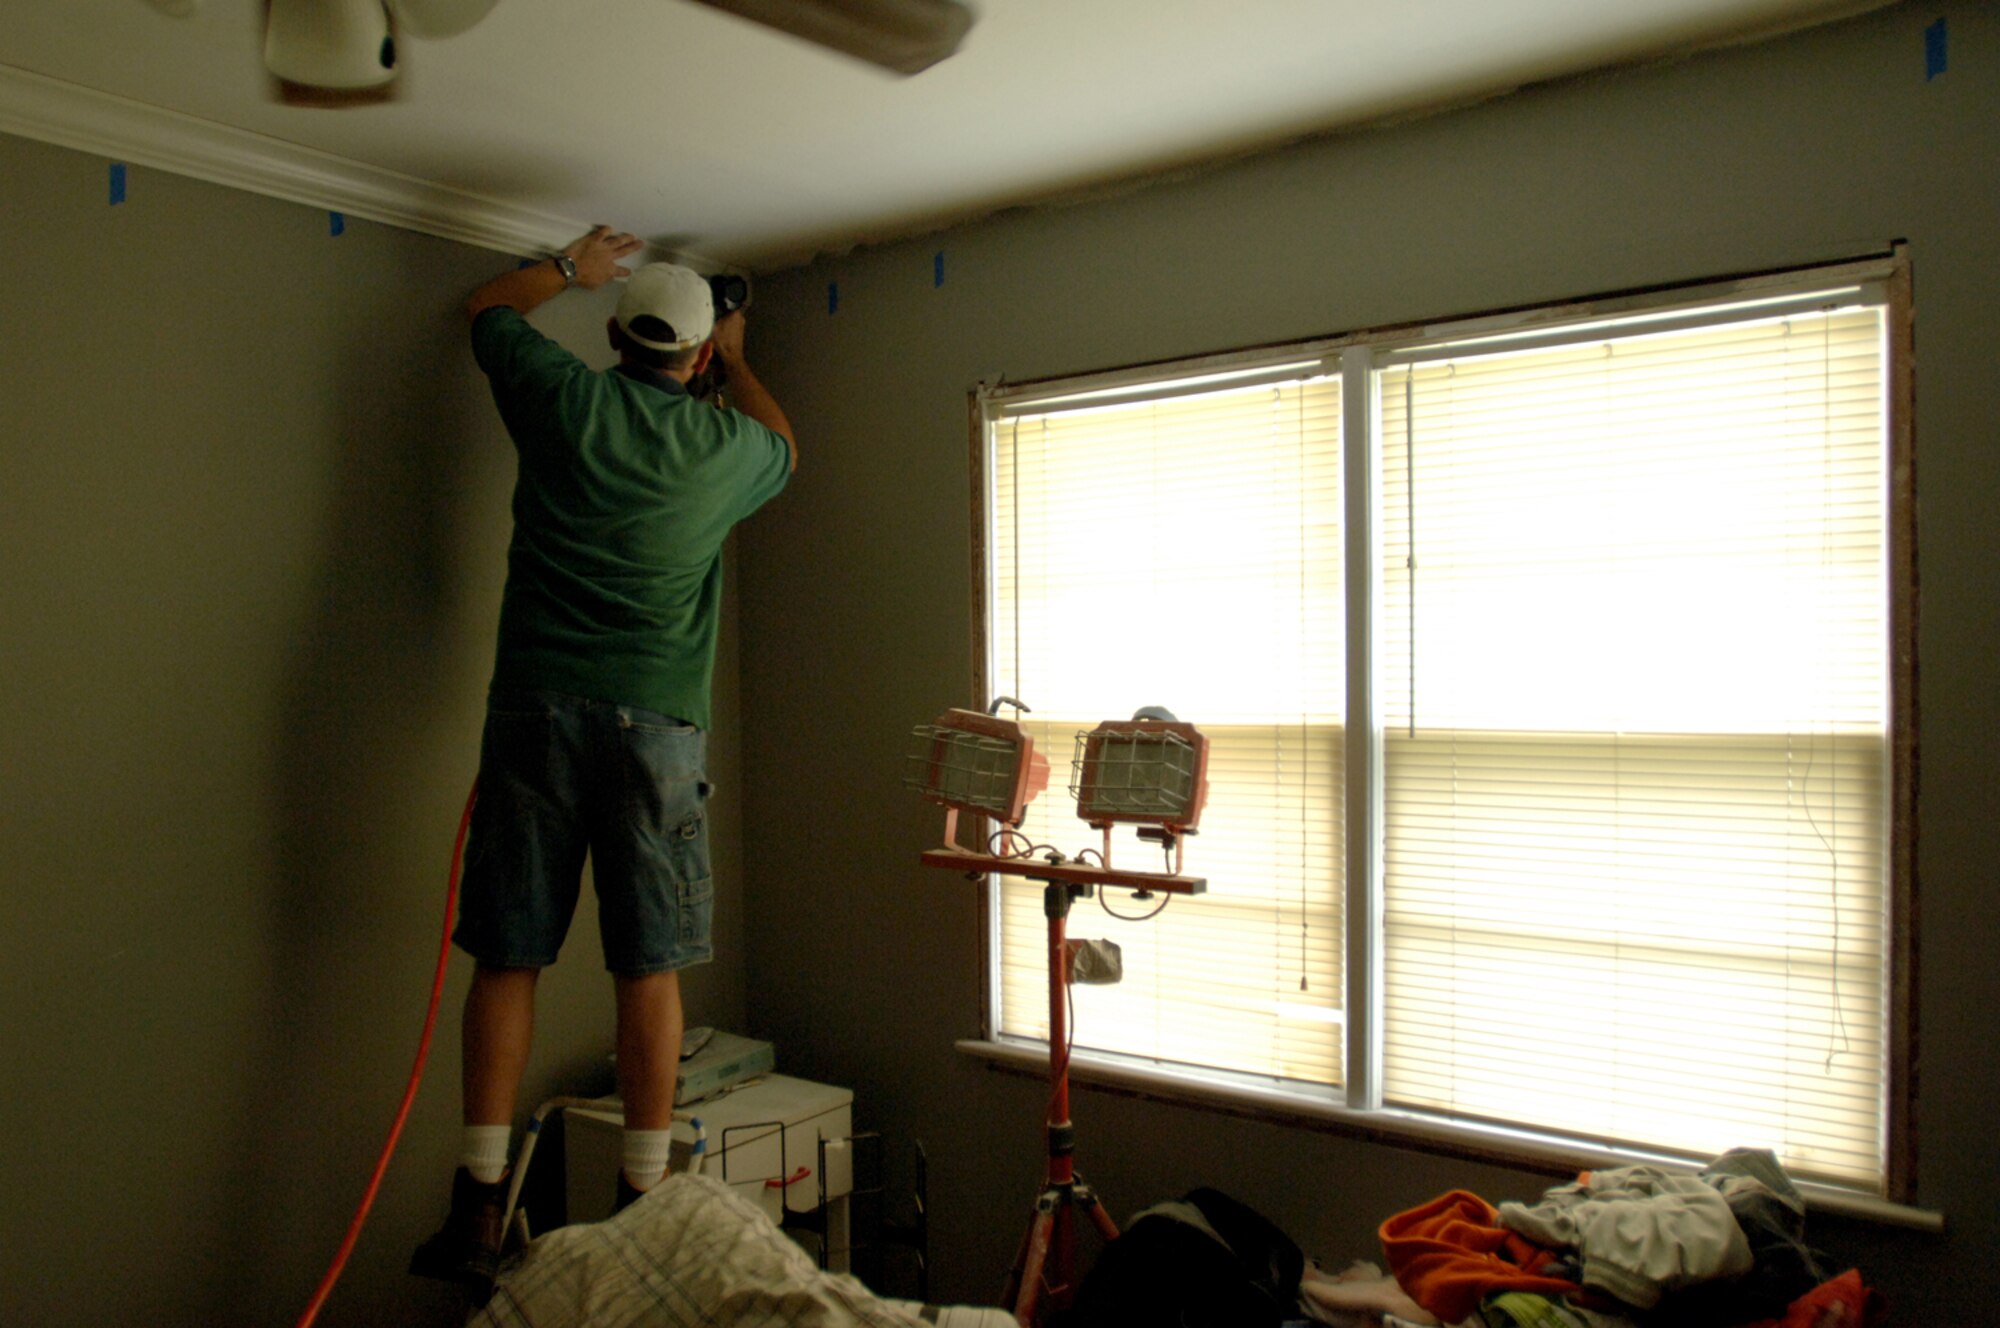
x: 1845, y: 1301
x: 1451, y: 1253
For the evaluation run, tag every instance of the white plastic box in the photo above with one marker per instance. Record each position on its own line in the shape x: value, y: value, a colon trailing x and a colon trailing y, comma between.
x: 759, y: 1135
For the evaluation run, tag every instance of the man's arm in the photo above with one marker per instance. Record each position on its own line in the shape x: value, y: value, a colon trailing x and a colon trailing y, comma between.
x: 596, y: 257
x: 746, y: 393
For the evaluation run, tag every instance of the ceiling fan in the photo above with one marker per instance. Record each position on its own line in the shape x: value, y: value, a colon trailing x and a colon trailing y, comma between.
x: 345, y: 52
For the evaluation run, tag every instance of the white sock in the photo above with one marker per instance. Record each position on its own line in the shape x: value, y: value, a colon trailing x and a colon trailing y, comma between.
x: 646, y: 1156
x: 485, y: 1154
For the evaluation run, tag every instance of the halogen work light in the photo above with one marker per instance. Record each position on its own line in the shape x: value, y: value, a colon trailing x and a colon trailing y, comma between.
x: 978, y: 763
x: 1148, y: 770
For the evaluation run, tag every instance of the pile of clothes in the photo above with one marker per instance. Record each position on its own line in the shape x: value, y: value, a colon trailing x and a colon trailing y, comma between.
x: 1637, y: 1247
x: 1634, y: 1247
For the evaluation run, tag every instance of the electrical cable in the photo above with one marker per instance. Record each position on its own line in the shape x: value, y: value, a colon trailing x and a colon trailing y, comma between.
x: 416, y: 1075
x: 996, y: 845
x: 1104, y: 901
x: 1001, y: 841
x: 1059, y: 1071
x: 1105, y: 904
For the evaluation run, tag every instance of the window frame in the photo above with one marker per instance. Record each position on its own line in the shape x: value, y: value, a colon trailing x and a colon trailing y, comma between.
x: 1355, y: 1107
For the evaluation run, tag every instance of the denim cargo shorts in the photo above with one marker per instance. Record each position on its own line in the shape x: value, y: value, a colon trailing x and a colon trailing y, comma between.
x: 561, y: 777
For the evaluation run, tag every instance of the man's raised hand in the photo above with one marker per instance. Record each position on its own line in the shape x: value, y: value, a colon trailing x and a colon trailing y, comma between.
x: 596, y: 255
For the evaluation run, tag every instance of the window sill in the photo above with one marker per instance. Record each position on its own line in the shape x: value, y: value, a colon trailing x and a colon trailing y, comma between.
x: 1268, y: 1101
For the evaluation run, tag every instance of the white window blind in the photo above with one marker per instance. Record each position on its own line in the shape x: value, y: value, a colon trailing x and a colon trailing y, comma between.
x: 1185, y: 551
x: 1633, y: 648
x: 1630, y: 850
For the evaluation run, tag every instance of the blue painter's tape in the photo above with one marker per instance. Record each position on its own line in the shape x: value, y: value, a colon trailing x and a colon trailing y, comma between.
x: 833, y: 297
x: 937, y: 269
x: 117, y: 183
x: 335, y: 223
x: 1936, y: 44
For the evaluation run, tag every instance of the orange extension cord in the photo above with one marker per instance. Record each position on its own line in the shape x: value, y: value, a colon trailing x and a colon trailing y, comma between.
x: 416, y: 1075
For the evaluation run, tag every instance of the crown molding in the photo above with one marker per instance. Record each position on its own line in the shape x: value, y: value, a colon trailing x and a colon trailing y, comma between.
x: 69, y: 115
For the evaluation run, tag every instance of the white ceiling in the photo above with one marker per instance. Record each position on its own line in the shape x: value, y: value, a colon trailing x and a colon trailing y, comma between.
x: 723, y: 140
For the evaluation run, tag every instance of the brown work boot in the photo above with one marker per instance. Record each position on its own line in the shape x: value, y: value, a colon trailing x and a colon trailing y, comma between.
x: 466, y: 1249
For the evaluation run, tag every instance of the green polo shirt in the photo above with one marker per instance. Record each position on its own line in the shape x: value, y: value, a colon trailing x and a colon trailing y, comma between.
x: 626, y: 488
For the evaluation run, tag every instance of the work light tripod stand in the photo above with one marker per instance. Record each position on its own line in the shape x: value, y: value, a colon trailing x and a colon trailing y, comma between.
x: 1044, y: 1269
x: 1047, y: 1257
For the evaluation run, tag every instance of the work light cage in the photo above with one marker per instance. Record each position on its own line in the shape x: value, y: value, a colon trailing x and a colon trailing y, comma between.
x: 977, y: 763
x: 1141, y: 772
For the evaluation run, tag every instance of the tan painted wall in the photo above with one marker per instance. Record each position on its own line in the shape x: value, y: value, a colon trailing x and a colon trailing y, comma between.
x: 857, y: 619
x: 253, y: 521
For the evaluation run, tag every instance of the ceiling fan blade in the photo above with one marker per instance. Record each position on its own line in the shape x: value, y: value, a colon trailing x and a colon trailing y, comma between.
x: 438, y: 18
x: 901, y: 35
x: 329, y: 45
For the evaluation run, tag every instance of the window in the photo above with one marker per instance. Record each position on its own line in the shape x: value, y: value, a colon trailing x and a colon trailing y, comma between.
x: 1185, y: 551
x: 1611, y: 859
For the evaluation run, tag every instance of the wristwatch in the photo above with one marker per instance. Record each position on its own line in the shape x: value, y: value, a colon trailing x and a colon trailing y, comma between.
x: 567, y: 266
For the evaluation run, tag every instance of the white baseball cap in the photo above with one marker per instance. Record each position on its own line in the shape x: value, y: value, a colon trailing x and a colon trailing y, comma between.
x: 667, y: 307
